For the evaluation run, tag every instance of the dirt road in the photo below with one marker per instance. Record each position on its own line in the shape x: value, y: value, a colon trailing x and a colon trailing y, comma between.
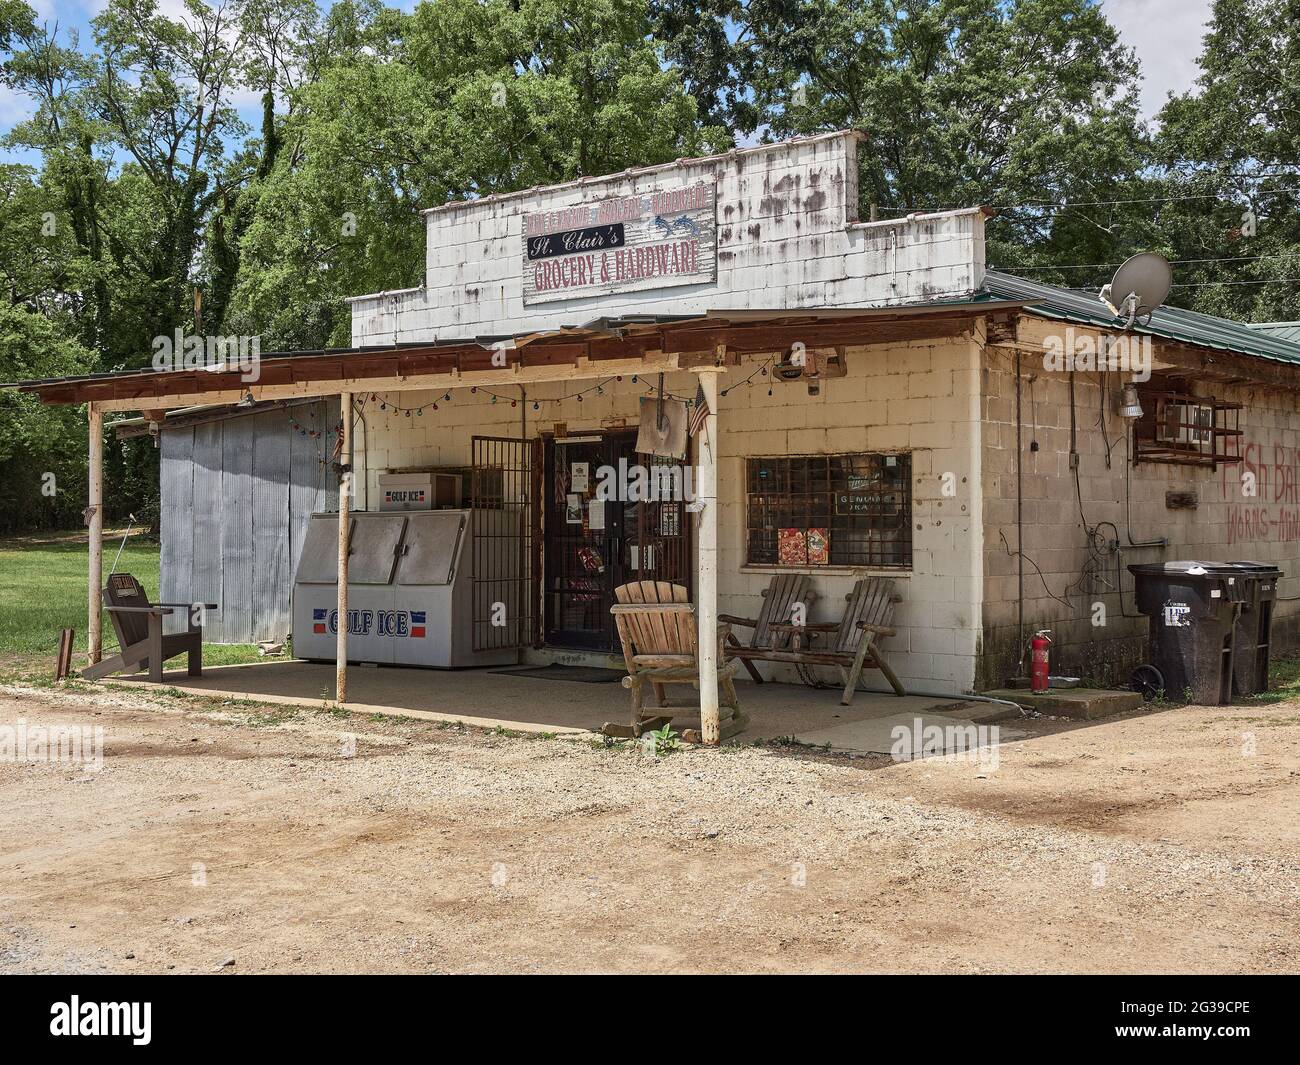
x: 220, y: 839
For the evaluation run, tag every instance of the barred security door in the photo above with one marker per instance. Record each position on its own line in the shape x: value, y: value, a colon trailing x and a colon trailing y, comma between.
x: 596, y: 540
x: 505, y: 540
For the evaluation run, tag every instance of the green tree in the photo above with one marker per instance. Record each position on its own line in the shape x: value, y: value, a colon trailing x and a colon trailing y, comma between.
x: 42, y: 449
x: 961, y: 102
x: 1234, y: 145
x: 458, y: 99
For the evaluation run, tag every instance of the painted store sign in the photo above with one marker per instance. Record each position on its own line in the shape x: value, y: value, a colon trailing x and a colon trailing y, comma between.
x: 364, y: 622
x: 658, y: 240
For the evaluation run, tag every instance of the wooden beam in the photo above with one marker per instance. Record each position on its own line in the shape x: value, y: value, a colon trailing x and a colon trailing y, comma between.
x: 95, y: 523
x: 440, y: 382
x: 127, y: 431
x: 528, y: 361
x: 706, y: 583
x: 345, y: 490
x: 860, y: 332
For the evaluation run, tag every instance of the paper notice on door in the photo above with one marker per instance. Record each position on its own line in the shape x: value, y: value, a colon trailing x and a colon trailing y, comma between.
x: 596, y: 514
x: 573, y: 509
x: 578, y: 476
x: 636, y: 560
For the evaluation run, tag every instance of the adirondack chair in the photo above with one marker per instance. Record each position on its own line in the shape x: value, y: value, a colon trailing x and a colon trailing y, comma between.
x: 138, y: 624
x: 656, y: 625
x: 852, y: 640
x: 779, y: 598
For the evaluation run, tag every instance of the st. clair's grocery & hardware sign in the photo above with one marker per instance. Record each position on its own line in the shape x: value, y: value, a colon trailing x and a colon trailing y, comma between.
x: 657, y: 240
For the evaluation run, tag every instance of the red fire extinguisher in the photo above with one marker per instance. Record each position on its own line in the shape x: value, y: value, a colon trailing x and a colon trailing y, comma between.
x: 1039, y: 678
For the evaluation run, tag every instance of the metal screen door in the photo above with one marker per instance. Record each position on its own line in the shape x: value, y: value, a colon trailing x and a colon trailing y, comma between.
x: 594, y: 545
x: 503, y: 526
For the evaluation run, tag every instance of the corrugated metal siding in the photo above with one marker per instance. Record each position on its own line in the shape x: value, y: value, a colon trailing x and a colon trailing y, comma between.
x: 237, y: 439
x: 204, y: 584
x: 271, y: 529
x: 177, y: 529
x: 236, y: 496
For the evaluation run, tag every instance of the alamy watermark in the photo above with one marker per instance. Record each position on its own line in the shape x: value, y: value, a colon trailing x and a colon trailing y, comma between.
x: 632, y: 483
x: 81, y: 745
x: 1126, y: 353
x: 955, y: 742
x: 193, y: 352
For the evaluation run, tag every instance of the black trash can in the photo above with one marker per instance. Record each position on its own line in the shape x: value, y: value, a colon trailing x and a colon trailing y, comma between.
x: 1193, y: 607
x: 1254, y: 622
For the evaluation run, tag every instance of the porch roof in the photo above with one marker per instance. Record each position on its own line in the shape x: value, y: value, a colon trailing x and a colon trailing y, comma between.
x: 628, y: 343
x: 1170, y: 323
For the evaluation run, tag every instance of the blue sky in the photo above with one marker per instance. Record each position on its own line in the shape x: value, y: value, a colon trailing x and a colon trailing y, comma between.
x: 1165, y: 33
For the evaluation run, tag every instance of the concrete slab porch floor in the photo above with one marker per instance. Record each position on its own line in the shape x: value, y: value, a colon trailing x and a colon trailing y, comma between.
x: 489, y: 699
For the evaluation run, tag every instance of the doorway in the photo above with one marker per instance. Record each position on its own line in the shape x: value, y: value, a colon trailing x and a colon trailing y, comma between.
x: 593, y: 544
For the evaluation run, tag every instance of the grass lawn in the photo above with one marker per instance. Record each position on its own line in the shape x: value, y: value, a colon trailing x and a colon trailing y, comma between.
x: 43, y: 590
x: 1283, y: 681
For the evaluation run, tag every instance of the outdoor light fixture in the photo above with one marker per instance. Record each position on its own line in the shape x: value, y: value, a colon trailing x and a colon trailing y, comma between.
x: 247, y: 400
x: 1130, y: 405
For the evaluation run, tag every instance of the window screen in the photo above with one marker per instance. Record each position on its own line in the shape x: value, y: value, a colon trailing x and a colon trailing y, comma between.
x: 829, y: 510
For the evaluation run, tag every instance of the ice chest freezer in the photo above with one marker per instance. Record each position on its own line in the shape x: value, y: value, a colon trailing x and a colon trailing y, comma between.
x: 411, y: 589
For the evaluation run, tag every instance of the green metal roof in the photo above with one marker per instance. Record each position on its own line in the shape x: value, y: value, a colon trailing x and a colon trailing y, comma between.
x: 1172, y: 323
x: 1286, y: 330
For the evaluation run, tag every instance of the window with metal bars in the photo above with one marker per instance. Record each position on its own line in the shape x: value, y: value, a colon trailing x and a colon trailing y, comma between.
x: 829, y: 510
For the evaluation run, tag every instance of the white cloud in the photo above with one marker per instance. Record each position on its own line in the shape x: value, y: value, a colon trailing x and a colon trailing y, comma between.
x: 1166, y: 34
x: 14, y: 107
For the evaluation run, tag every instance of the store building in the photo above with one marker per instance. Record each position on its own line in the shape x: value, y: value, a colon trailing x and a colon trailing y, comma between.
x: 878, y: 403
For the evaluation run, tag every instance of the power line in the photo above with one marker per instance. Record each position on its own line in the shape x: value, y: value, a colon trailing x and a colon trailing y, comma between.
x: 1173, y: 262
x: 1060, y: 204
x: 1141, y: 199
x: 1266, y: 281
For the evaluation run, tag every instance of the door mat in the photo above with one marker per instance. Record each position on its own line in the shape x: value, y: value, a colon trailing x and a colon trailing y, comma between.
x: 577, y: 674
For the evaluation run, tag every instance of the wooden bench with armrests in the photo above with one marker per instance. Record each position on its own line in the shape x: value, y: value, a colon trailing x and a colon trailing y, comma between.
x: 783, y: 599
x: 852, y: 641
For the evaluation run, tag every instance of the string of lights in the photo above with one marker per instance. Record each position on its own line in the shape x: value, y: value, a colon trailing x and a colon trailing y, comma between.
x: 309, y: 431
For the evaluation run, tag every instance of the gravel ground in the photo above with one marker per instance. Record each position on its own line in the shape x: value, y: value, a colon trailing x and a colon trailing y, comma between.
x: 240, y: 839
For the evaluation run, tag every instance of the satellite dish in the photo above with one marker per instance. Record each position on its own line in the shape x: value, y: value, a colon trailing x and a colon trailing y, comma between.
x: 1139, y: 286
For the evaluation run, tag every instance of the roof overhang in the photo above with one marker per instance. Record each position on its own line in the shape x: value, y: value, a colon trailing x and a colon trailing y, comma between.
x: 606, y: 347
x: 1166, y: 323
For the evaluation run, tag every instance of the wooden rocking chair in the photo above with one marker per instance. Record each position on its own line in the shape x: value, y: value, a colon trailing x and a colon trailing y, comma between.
x: 779, y: 599
x: 852, y: 640
x: 656, y: 625
x: 138, y: 624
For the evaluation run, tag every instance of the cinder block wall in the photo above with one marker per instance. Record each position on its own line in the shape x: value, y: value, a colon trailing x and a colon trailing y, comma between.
x: 922, y: 398
x: 788, y: 236
x: 1226, y: 524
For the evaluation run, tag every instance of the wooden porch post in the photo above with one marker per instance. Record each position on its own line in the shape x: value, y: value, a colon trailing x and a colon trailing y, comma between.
x: 345, y: 490
x: 707, y: 546
x: 95, y: 523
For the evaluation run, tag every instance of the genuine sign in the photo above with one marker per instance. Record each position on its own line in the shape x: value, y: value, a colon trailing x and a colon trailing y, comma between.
x: 658, y: 240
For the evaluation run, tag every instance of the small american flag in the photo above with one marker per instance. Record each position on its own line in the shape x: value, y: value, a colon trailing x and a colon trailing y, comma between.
x: 699, y: 411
